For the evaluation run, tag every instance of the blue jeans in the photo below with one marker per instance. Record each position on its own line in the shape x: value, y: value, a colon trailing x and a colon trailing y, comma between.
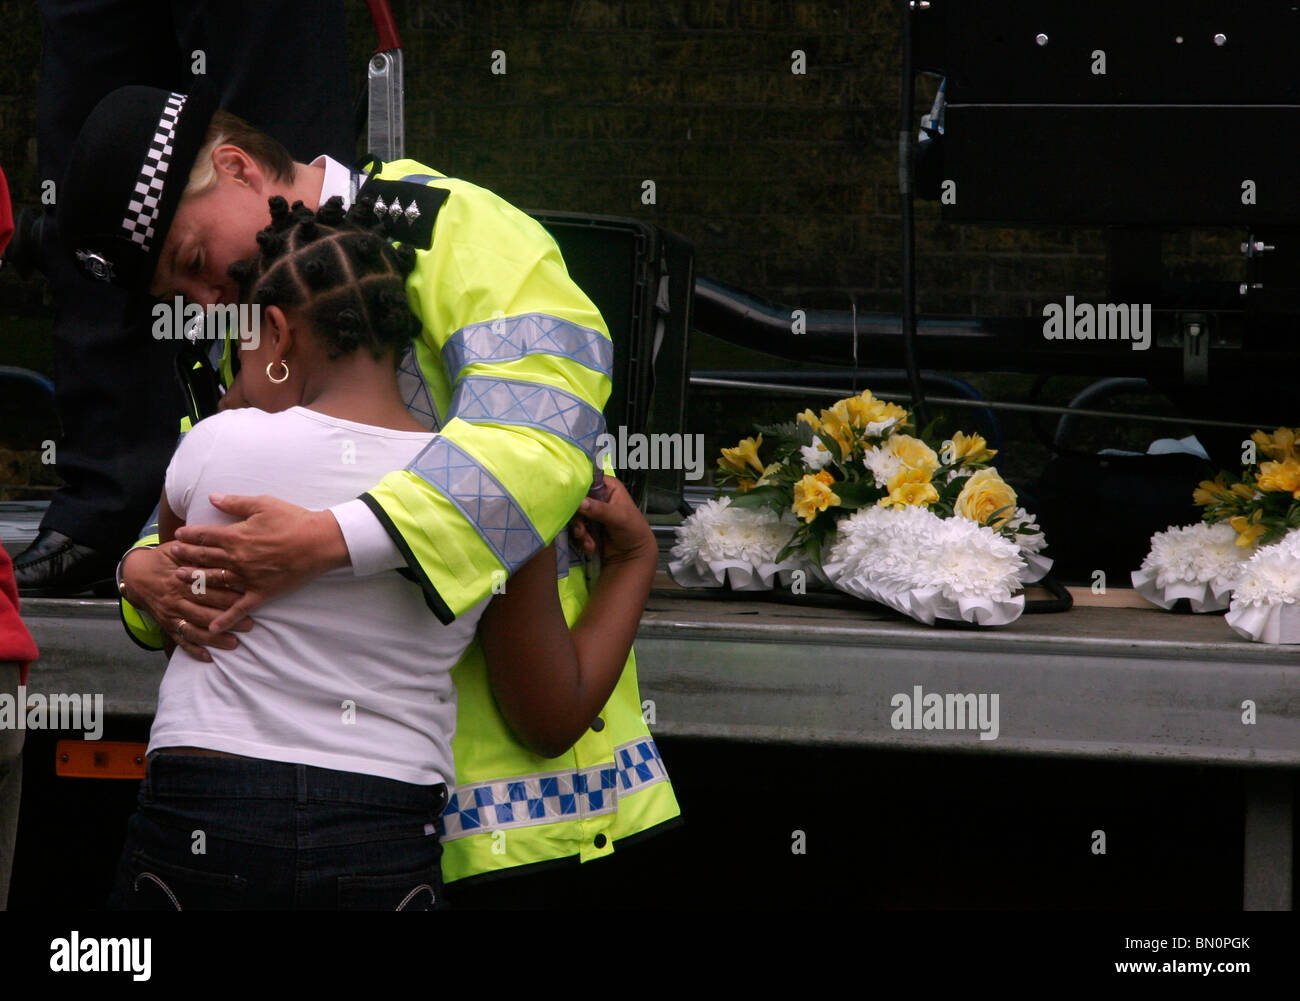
x: 216, y: 833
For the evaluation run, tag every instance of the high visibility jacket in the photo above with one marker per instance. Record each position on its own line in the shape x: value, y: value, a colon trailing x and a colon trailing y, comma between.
x: 512, y: 367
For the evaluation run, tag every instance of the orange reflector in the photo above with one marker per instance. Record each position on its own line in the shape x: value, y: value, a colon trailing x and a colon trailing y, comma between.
x: 99, y: 759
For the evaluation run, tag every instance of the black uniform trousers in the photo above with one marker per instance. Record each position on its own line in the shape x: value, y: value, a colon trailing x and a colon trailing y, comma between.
x: 281, y: 65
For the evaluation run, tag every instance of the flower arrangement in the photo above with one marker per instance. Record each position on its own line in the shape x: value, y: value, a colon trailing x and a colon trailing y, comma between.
x: 740, y: 544
x: 1265, y: 602
x: 1262, y: 503
x: 928, y: 527
x: 1200, y: 562
x: 1244, y: 512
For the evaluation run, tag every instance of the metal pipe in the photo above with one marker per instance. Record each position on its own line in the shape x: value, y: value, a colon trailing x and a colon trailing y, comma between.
x: 952, y: 401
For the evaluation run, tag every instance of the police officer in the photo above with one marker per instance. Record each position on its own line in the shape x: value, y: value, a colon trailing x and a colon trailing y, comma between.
x: 280, y: 63
x: 512, y: 367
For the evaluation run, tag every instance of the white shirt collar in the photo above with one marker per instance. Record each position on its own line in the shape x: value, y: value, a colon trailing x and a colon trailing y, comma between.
x: 338, y: 180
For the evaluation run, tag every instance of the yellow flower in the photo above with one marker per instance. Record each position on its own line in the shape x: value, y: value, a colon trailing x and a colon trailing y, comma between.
x: 1247, y: 529
x: 970, y: 448
x: 864, y: 409
x: 745, y: 453
x: 836, y: 425
x: 813, y: 494
x: 984, y: 493
x: 1281, y: 444
x: 1244, y: 490
x: 915, y: 453
x: 811, y: 419
x: 910, y: 487
x: 1280, y: 477
x: 1209, y: 492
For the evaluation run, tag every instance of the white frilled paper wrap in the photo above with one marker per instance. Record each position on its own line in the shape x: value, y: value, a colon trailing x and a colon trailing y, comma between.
x: 1265, y: 603
x: 928, y: 567
x: 742, y: 576
x: 1201, y: 563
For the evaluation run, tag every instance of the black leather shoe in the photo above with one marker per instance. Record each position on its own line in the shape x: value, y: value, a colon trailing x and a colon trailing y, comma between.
x: 54, y: 566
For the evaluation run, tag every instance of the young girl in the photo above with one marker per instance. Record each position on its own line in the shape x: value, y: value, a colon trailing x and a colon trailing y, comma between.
x: 307, y: 767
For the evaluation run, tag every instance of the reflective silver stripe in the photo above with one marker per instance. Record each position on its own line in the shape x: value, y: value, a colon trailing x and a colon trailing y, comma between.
x: 551, y: 797
x: 483, y: 400
x: 480, y: 497
x: 568, y: 554
x: 415, y: 391
x: 512, y: 337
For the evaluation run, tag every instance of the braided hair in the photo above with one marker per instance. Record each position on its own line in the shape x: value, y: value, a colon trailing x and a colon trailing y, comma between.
x: 337, y: 270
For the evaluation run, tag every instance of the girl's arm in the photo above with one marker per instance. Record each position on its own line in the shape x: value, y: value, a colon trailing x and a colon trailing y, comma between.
x: 168, y: 522
x: 550, y: 682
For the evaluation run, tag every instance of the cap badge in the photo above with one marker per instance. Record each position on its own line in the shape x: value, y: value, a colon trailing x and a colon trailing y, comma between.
x: 99, y: 266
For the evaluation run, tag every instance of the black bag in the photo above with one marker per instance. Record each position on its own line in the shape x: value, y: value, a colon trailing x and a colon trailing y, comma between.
x: 1100, y: 511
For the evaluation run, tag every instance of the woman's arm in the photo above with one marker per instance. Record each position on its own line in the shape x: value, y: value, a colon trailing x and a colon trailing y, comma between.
x: 550, y: 682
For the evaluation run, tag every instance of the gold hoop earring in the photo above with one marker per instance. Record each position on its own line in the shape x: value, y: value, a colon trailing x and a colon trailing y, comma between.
x: 273, y: 378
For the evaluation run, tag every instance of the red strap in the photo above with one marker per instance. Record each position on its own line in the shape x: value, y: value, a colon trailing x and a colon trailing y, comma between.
x: 382, y: 15
x: 6, y: 213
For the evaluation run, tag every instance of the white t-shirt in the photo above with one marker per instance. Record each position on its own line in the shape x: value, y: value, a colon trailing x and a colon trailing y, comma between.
x: 350, y: 673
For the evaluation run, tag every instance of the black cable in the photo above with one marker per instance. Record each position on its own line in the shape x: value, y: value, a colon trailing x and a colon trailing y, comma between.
x: 906, y: 103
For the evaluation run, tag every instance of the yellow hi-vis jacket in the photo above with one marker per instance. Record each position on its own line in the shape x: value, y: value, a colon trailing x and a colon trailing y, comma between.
x: 512, y: 367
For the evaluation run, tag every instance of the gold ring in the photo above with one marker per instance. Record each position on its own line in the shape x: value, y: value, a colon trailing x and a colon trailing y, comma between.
x: 180, y: 626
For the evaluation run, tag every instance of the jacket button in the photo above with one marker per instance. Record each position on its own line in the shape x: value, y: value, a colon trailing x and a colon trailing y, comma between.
x: 598, y: 724
x: 600, y: 841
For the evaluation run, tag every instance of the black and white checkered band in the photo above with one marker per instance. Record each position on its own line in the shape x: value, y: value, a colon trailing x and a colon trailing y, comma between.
x: 142, y: 209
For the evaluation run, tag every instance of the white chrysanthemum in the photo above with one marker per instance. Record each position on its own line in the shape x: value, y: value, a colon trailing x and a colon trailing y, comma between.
x: 1197, y: 553
x: 908, y: 548
x: 815, y: 456
x: 716, y: 532
x: 1271, y: 576
x: 882, y: 463
x: 876, y: 428
x: 1029, y: 536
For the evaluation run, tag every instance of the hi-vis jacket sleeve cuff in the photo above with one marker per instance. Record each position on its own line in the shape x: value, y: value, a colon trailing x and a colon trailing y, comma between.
x: 139, y: 624
x: 369, y: 545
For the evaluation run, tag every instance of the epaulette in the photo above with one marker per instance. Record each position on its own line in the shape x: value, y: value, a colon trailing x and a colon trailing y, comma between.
x: 407, y: 209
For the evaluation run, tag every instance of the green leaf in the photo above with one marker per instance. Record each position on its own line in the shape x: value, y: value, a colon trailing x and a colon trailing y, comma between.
x: 786, y: 429
x: 998, y: 513
x: 772, y: 495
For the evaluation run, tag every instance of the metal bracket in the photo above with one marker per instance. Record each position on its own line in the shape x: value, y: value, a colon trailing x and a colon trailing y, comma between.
x: 1195, y: 331
x: 385, y: 130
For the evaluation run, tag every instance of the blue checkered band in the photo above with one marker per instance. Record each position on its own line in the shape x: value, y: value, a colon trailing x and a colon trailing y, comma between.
x: 415, y: 391
x: 512, y: 337
x: 482, y: 400
x: 481, y: 498
x: 142, y: 209
x: 552, y: 796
